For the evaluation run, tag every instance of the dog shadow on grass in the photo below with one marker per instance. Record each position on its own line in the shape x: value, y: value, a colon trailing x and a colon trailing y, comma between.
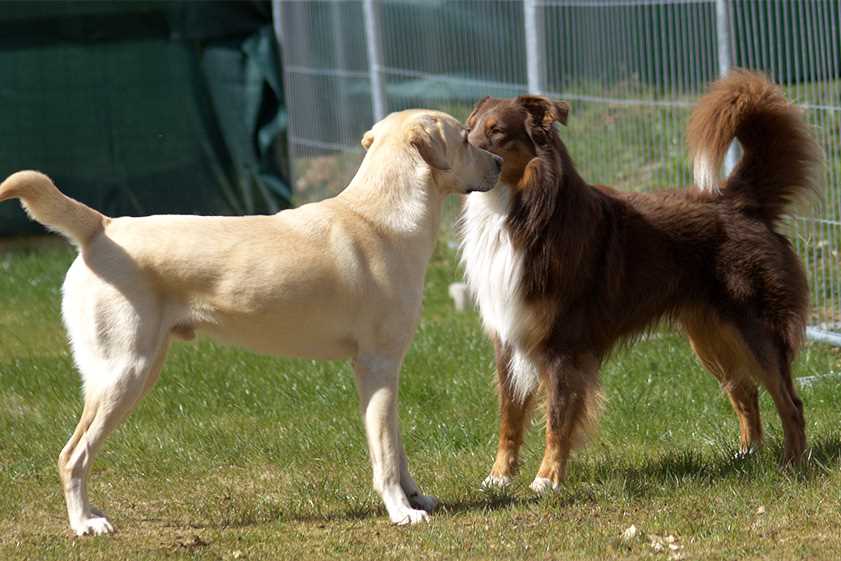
x: 602, y: 480
x: 487, y: 501
x: 481, y: 501
x: 484, y: 501
x: 667, y: 472
x: 679, y: 469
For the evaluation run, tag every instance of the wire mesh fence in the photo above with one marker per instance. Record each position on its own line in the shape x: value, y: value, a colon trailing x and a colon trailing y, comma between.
x: 632, y: 70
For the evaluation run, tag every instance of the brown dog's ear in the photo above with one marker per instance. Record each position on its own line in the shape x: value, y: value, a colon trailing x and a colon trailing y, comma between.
x: 427, y: 138
x: 543, y: 110
x: 471, y: 119
x: 562, y: 110
x: 367, y: 140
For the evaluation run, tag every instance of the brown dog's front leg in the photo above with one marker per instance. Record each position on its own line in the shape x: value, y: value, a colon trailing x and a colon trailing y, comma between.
x: 572, y: 394
x: 514, y: 413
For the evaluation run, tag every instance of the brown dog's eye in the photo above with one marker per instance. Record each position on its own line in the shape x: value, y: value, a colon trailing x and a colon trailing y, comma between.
x: 495, y: 133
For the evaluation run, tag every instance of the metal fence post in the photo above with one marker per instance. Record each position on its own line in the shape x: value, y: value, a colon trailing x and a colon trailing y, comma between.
x: 535, y: 46
x: 375, y: 59
x: 724, y: 32
x: 276, y: 20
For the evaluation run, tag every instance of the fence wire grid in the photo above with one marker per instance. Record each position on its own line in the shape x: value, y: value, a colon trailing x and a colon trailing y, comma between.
x: 632, y: 70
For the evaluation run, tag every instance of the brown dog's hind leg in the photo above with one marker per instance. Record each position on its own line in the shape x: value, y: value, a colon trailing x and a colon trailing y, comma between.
x: 514, y: 413
x: 767, y: 360
x: 744, y: 397
x: 573, y: 398
x: 776, y: 377
x: 721, y: 351
x: 795, y: 436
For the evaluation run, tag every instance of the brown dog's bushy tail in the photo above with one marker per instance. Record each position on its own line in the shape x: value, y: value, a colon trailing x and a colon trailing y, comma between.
x: 45, y: 203
x: 781, y: 161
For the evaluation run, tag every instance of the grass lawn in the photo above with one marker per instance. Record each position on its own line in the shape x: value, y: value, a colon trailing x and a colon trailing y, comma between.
x: 237, y: 456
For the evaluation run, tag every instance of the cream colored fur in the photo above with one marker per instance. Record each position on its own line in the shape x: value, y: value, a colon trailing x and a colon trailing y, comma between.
x: 339, y: 279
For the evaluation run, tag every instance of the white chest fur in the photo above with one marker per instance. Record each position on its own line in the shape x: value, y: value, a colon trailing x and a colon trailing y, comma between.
x: 494, y: 270
x: 492, y: 266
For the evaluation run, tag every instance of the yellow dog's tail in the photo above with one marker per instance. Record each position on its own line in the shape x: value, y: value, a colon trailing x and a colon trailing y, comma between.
x: 46, y: 204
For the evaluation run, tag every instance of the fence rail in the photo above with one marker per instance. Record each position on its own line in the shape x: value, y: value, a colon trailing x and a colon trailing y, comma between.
x: 632, y: 68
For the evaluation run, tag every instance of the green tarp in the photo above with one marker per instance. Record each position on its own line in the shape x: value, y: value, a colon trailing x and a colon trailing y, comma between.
x: 144, y: 107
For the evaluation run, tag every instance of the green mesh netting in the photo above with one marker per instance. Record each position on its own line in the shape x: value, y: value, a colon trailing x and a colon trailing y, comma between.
x: 144, y: 107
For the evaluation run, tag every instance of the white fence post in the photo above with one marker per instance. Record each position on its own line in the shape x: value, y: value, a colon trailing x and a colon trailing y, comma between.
x: 375, y: 59
x: 276, y: 20
x: 724, y: 32
x: 535, y: 46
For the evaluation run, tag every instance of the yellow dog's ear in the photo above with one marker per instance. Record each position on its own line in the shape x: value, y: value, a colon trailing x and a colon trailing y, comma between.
x: 428, y: 139
x: 367, y: 140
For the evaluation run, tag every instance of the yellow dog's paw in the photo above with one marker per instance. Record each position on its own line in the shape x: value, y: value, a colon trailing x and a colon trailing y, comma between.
x: 92, y: 526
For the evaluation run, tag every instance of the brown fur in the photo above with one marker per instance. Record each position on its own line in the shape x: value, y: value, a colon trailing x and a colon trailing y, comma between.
x: 779, y: 169
x: 514, y: 414
x: 603, y: 267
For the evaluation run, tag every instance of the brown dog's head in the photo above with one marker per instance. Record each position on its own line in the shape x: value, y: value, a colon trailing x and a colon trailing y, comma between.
x: 509, y: 128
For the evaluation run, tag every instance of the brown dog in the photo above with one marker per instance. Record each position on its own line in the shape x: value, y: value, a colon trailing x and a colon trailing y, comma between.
x: 563, y: 270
